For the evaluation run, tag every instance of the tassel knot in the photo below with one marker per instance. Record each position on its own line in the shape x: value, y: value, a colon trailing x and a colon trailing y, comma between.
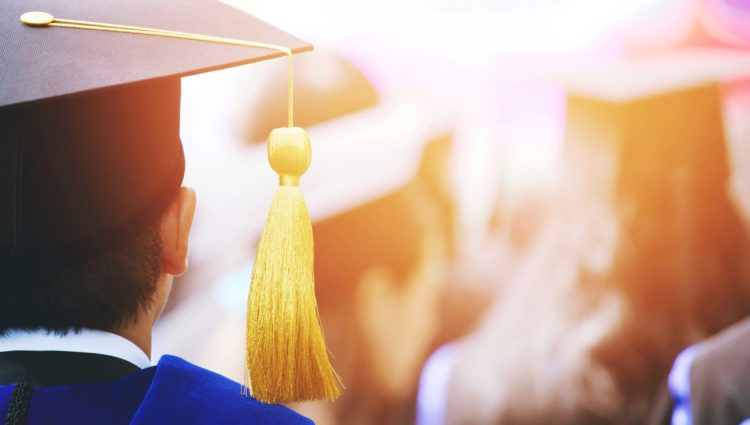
x: 289, y: 152
x: 287, y: 359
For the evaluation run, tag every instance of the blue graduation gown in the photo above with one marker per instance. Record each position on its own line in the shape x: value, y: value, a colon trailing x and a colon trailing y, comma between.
x: 173, y: 392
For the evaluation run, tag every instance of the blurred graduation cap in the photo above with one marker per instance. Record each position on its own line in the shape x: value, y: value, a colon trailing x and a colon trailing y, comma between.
x: 633, y: 122
x: 89, y: 119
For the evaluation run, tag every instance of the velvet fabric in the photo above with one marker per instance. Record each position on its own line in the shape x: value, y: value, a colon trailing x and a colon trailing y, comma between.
x: 173, y: 392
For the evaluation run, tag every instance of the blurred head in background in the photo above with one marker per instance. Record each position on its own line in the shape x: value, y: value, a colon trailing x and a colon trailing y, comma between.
x: 378, y: 271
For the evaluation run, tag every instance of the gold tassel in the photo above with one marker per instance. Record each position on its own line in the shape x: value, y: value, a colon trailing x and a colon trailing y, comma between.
x: 287, y: 359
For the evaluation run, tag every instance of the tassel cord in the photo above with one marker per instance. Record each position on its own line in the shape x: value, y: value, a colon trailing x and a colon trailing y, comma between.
x: 50, y: 21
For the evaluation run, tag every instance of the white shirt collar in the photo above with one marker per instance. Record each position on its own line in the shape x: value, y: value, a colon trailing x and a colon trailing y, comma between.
x: 84, y: 341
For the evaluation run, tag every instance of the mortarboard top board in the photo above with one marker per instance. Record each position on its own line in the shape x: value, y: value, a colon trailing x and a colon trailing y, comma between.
x: 90, y: 152
x: 45, y: 63
x: 633, y: 122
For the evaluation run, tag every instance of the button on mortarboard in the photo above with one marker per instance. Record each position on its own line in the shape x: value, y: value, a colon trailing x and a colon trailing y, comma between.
x: 37, y: 19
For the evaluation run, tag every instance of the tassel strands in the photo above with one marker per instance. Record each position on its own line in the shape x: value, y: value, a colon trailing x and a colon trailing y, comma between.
x: 287, y: 359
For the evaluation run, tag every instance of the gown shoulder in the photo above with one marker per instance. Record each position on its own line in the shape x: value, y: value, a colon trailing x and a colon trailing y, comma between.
x: 183, y: 393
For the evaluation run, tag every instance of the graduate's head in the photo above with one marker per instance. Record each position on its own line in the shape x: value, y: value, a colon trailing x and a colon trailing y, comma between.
x: 99, y: 215
x: 110, y: 290
x: 93, y: 218
x: 377, y: 271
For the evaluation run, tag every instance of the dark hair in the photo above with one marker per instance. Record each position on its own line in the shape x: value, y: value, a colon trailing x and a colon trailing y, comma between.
x: 681, y: 263
x: 100, y: 292
x: 386, y: 232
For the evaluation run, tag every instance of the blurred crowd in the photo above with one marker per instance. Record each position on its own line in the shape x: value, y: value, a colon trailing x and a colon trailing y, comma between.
x: 537, y: 251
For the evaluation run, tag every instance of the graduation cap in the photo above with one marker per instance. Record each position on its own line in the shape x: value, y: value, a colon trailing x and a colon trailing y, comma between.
x: 635, y: 120
x: 90, y: 155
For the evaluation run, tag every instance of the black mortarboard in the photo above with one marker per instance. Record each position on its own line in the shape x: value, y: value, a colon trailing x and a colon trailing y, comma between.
x: 90, y: 153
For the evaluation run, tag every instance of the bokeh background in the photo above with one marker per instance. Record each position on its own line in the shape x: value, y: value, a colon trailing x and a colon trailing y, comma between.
x: 523, y: 209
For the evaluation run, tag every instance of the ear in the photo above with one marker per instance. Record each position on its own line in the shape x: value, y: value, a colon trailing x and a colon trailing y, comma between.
x: 175, y: 232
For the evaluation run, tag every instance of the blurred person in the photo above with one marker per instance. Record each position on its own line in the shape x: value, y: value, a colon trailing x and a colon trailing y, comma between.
x: 378, y: 272
x: 622, y: 278
x: 467, y: 291
x: 529, y: 361
x: 681, y: 264
x: 94, y: 220
x: 707, y: 382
